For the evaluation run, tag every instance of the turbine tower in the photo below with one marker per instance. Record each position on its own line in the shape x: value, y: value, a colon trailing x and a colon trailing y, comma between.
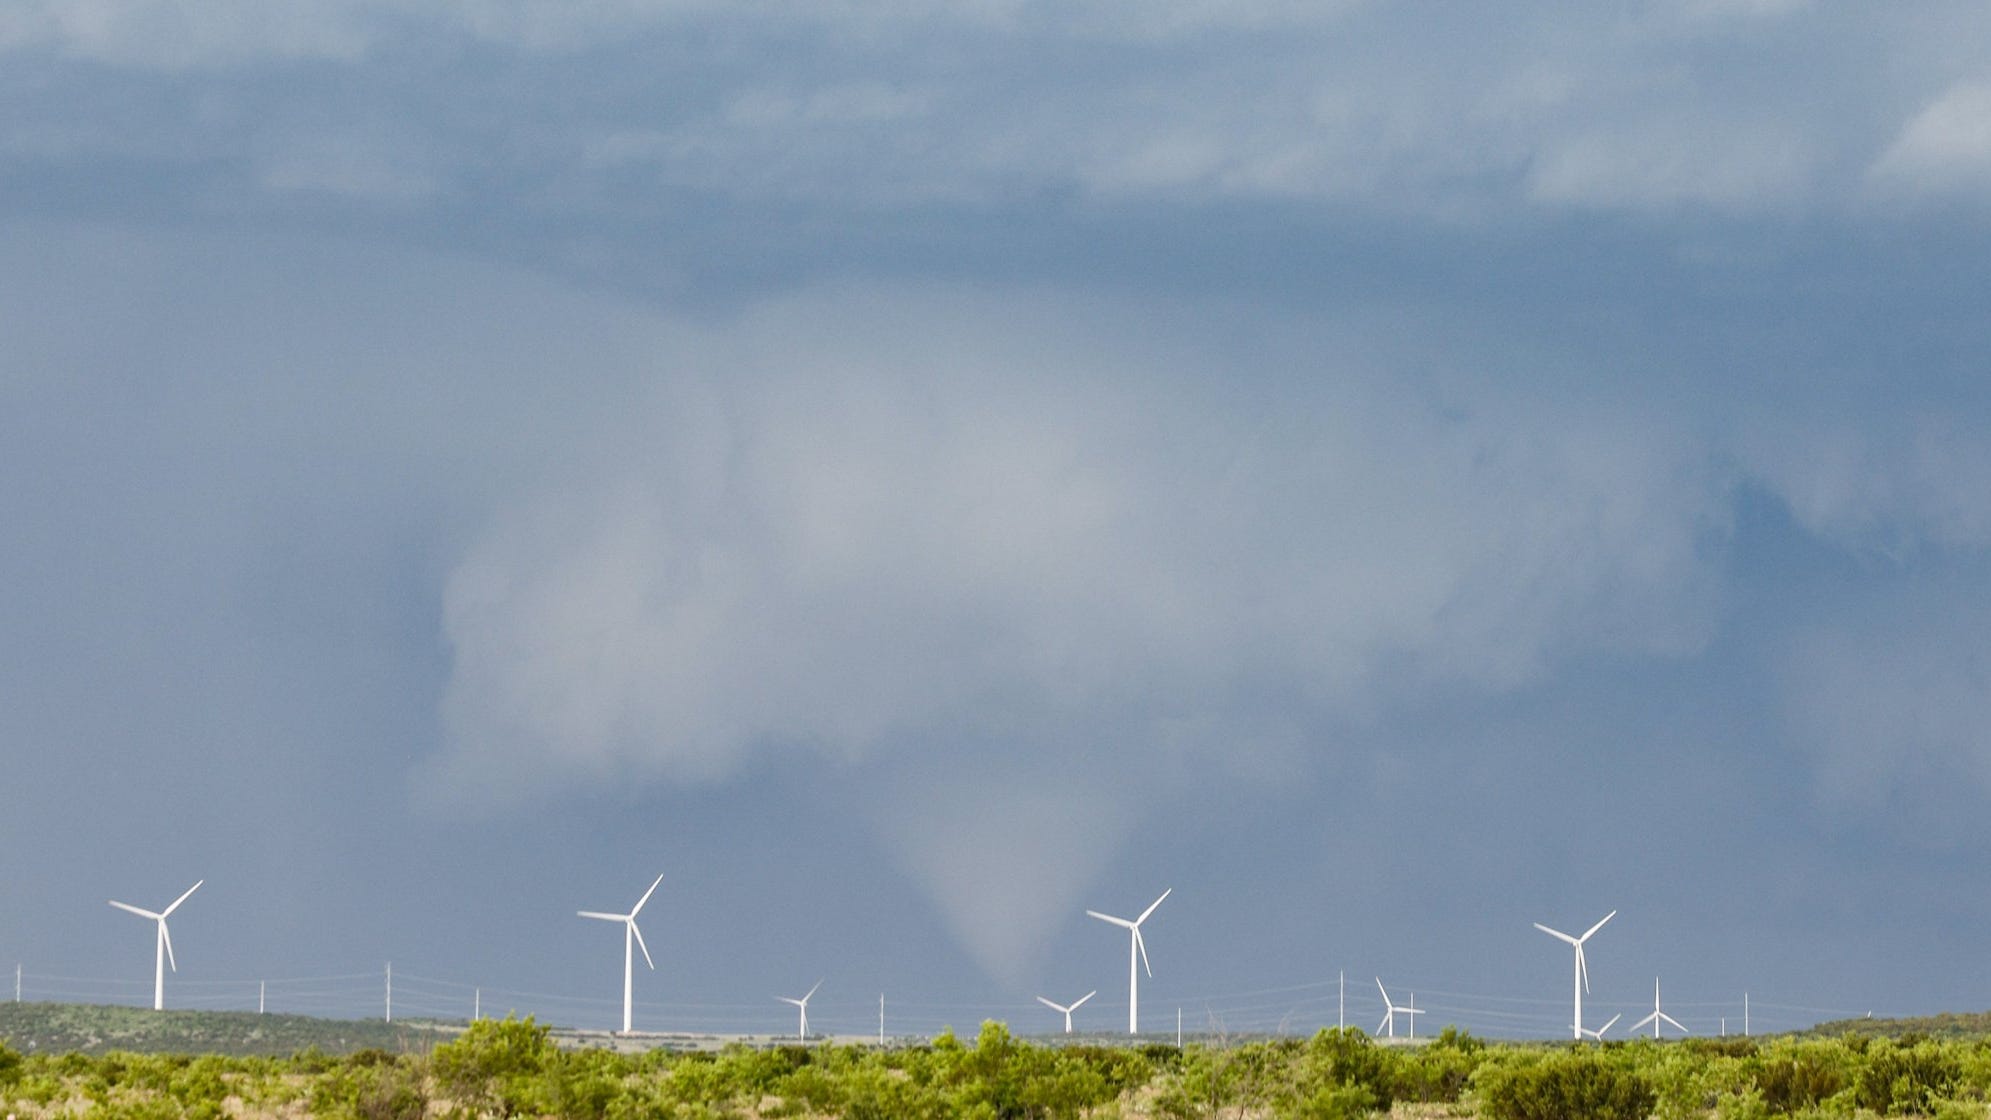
x: 1391, y: 1010
x: 1582, y: 982
x: 1137, y: 955
x: 1657, y: 1017
x: 1068, y: 1010
x: 165, y: 951
x: 632, y: 939
x: 802, y: 1005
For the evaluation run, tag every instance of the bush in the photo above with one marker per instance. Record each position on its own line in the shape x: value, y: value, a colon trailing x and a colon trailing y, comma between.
x: 1798, y: 1082
x: 1346, y: 1058
x: 1571, y: 1086
x: 1906, y: 1080
x: 498, y: 1066
x: 371, y: 1090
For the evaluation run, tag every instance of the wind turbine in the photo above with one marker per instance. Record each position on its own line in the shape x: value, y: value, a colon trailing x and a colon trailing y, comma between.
x: 1598, y: 1034
x: 802, y: 1005
x: 1137, y: 953
x: 1657, y: 1017
x: 632, y: 939
x: 1391, y: 1010
x: 1582, y: 982
x: 165, y: 952
x: 1068, y: 1010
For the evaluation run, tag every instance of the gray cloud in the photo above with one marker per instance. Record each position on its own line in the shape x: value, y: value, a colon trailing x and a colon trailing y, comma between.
x: 1889, y: 706
x: 1732, y: 109
x: 888, y: 527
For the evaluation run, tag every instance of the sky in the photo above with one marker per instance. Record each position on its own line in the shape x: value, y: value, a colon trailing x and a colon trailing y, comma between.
x: 911, y: 473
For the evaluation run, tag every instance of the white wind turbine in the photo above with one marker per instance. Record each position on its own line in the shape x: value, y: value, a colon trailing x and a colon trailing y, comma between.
x: 632, y: 939
x: 165, y: 951
x: 1657, y: 1017
x: 1137, y: 954
x: 1582, y: 982
x: 1068, y: 1010
x: 1391, y: 1011
x: 802, y: 1005
x: 1598, y: 1034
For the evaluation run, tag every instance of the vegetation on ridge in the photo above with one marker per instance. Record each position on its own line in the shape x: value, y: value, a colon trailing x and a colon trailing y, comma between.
x: 514, y: 1068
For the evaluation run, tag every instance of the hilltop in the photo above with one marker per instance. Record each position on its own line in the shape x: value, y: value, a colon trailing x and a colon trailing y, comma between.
x: 61, y: 1028
x: 1949, y: 1024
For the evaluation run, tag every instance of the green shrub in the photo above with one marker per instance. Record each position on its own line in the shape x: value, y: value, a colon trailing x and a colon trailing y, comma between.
x: 1578, y: 1085
x: 1347, y: 1058
x: 370, y: 1089
x: 1906, y: 1080
x: 1333, y: 1102
x: 1800, y: 1081
x: 498, y: 1066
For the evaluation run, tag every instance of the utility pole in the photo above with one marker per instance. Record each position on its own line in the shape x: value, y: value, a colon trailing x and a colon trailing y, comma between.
x: 390, y: 991
x: 477, y: 1006
x: 881, y: 1018
x: 1341, y: 1014
x: 1178, y: 1028
x: 262, y: 991
x: 1745, y: 1014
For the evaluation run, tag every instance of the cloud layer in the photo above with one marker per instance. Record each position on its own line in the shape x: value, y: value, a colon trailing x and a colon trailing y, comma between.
x: 1014, y: 543
x: 1721, y: 109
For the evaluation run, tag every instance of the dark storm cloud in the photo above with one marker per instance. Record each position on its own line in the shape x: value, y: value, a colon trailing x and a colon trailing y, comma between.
x: 1435, y: 444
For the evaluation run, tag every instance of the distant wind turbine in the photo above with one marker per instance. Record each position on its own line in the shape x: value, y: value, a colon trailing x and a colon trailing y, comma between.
x: 1391, y: 1011
x: 632, y: 939
x: 1657, y: 1017
x: 1068, y: 1010
x: 1598, y: 1034
x: 1582, y: 983
x: 164, y: 955
x: 802, y: 1005
x: 1137, y: 954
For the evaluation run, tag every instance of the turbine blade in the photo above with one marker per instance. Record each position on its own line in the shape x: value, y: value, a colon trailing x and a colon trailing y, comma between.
x: 1640, y: 1025
x: 1122, y: 922
x: 639, y: 944
x: 1385, y: 991
x: 182, y: 898
x: 1607, y: 1024
x: 1556, y: 933
x: 1081, y: 1000
x: 1053, y: 1006
x: 1598, y: 926
x: 602, y: 916
x: 135, y: 910
x: 812, y: 991
x: 646, y: 896
x: 1388, y: 1018
x: 1676, y: 1023
x: 785, y: 999
x: 166, y: 935
x: 1152, y: 905
x: 1141, y: 943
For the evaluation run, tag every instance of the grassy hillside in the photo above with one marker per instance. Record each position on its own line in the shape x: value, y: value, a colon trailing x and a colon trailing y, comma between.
x: 61, y: 1028
x: 1950, y: 1024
